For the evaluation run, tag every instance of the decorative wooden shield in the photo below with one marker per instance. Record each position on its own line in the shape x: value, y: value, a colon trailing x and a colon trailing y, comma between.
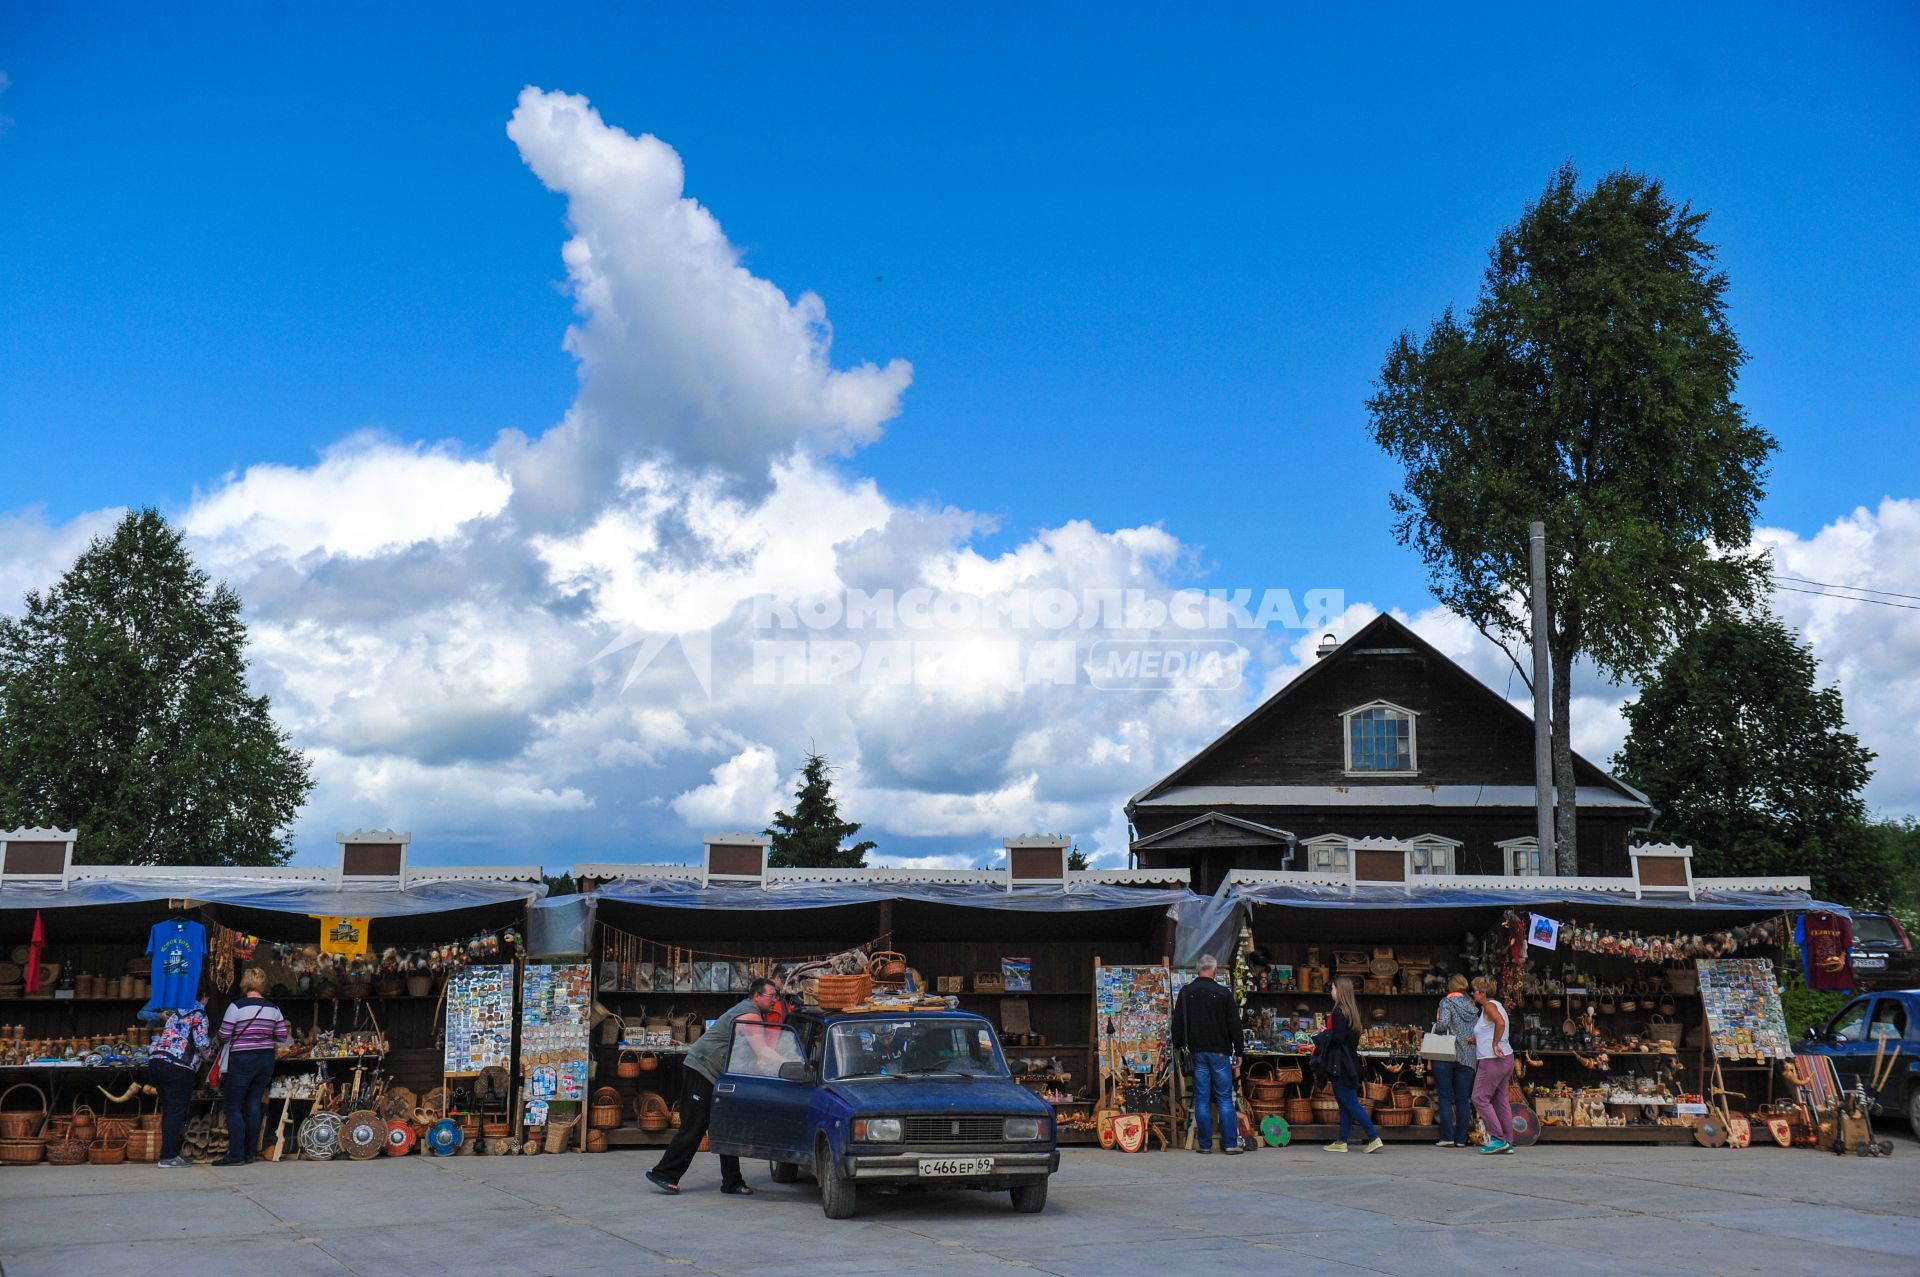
x: 400, y: 1138
x: 1103, y: 1122
x: 1739, y: 1132
x: 319, y: 1136
x: 1130, y: 1132
x: 1526, y: 1127
x: 363, y: 1134
x: 1781, y: 1130
x: 1275, y: 1131
x: 1709, y: 1133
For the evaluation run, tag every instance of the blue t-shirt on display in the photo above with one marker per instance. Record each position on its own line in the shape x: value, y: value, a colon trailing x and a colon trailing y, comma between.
x: 177, y: 948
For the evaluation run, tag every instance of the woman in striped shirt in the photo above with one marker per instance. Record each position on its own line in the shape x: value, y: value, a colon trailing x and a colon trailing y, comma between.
x: 252, y: 1029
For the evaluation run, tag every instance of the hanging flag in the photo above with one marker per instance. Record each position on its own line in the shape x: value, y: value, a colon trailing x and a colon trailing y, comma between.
x: 33, y: 952
x: 1542, y: 933
x: 343, y: 937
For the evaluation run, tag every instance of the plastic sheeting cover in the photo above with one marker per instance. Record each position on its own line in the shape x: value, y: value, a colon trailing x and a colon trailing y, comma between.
x: 358, y: 900
x: 1080, y: 898
x: 560, y: 926
x: 1209, y: 924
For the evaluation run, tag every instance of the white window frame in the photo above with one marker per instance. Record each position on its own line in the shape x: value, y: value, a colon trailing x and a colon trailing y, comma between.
x: 1413, y: 738
x: 1440, y: 855
x: 1335, y: 849
x: 1530, y: 846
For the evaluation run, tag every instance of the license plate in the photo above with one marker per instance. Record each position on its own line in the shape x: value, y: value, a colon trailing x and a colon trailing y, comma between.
x: 939, y: 1166
x: 1869, y: 964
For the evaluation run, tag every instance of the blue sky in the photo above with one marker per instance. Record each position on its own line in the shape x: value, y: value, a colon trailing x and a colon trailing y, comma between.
x: 1144, y: 264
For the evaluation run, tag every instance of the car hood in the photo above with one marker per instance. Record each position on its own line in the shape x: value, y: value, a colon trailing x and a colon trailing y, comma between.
x: 940, y: 1095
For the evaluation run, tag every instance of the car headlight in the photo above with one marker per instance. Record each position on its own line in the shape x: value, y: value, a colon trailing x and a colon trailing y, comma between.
x: 876, y: 1130
x: 1027, y: 1128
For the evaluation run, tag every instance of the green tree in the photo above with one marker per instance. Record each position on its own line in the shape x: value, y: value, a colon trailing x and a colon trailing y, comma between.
x: 1590, y: 388
x: 810, y: 838
x: 1750, y: 760
x: 1078, y: 860
x: 124, y: 713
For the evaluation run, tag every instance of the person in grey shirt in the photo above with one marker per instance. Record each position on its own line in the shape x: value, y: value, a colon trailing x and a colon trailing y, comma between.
x: 1453, y: 1079
x: 706, y: 1061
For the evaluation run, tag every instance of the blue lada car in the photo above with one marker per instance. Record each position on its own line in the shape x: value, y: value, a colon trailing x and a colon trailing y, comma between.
x: 899, y: 1101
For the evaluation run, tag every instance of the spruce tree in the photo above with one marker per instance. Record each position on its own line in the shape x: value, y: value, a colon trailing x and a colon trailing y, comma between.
x: 125, y: 713
x: 810, y: 837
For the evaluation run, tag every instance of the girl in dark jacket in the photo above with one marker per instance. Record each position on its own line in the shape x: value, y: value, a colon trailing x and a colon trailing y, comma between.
x: 1337, y: 1059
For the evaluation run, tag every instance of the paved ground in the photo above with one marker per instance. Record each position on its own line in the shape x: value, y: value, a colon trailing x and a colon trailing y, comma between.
x: 1551, y: 1210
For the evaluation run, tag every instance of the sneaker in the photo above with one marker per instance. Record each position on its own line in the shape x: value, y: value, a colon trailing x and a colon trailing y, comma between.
x: 1231, y: 1149
x: 1506, y: 1148
x: 661, y: 1182
x: 1496, y: 1146
x: 1445, y: 1144
x: 1204, y: 1149
x: 1375, y: 1146
x: 1338, y: 1146
x: 171, y: 1162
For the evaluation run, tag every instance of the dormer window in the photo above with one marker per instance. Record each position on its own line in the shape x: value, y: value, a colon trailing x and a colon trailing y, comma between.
x: 1328, y: 854
x: 1380, y: 740
x: 1523, y: 857
x: 1432, y: 855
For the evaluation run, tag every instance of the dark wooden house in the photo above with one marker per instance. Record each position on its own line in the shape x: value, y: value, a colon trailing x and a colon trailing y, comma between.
x: 1383, y: 738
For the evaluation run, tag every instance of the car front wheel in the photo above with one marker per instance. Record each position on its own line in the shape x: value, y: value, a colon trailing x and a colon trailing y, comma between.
x: 836, y: 1188
x: 783, y: 1172
x: 1030, y: 1199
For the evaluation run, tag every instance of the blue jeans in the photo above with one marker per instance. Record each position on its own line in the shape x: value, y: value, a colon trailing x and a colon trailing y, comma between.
x: 1213, y: 1085
x: 1453, y: 1087
x: 1350, y: 1110
x: 243, y: 1088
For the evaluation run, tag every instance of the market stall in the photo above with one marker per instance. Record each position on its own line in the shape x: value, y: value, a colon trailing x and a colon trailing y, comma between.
x: 356, y: 956
x: 675, y: 946
x: 1602, y: 979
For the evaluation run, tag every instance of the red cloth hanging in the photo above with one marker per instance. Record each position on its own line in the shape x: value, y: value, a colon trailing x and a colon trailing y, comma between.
x: 33, y: 952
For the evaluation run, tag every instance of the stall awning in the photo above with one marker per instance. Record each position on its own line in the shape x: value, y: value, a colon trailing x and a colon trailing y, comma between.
x: 1078, y: 897
x: 280, y: 895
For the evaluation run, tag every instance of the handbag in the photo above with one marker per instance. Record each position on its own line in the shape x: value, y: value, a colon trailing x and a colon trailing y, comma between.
x: 1438, y: 1046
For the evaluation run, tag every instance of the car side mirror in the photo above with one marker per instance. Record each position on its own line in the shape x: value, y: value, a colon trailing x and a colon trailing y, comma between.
x: 796, y: 1071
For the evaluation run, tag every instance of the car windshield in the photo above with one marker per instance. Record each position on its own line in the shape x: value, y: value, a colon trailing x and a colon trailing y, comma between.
x: 909, y: 1047
x: 1871, y: 930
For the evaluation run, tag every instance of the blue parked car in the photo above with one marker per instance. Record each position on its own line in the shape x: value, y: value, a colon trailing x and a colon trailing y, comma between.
x: 1871, y: 1026
x: 905, y: 1100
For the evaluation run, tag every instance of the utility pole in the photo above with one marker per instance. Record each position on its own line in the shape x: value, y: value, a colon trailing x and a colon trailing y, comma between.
x: 1542, y: 704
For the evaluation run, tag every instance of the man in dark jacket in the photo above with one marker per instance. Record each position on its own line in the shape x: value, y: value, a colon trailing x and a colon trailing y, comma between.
x: 1206, y: 1021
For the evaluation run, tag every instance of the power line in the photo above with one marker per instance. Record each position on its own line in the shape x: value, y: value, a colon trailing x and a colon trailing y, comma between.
x: 1850, y: 598
x: 1800, y: 580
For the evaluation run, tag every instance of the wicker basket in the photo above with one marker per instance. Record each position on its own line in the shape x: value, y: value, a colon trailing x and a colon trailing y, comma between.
x: 1393, y: 1117
x: 1423, y: 1117
x: 83, y: 1122
x: 596, y: 1142
x: 559, y: 1135
x: 143, y: 1145
x: 1324, y: 1109
x: 654, y: 1112
x: 114, y: 1128
x: 1300, y: 1111
x: 628, y: 1063
x: 22, y: 1152
x: 604, y: 1113
x: 495, y: 1130
x: 20, y: 1124
x: 836, y: 992
x: 66, y: 1151
x: 1377, y: 1093
x: 107, y: 1152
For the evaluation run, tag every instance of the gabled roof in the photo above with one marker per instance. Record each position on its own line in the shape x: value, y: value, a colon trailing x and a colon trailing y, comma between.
x: 1259, y: 832
x: 1382, y: 630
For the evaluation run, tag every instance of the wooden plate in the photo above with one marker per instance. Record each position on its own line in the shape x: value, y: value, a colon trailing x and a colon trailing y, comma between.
x: 1709, y: 1132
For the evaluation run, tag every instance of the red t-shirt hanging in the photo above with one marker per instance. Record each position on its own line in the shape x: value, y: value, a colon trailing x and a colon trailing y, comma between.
x: 1827, y: 938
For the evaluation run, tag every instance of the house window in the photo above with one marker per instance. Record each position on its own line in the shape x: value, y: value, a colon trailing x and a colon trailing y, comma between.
x: 1380, y: 738
x: 1429, y: 859
x: 1330, y: 858
x: 1523, y: 858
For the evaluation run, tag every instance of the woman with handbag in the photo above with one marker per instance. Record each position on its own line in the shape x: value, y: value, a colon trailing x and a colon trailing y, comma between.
x: 1453, y: 1074
x: 173, y: 1067
x: 1493, y: 1068
x: 1336, y: 1059
x: 253, y: 1030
